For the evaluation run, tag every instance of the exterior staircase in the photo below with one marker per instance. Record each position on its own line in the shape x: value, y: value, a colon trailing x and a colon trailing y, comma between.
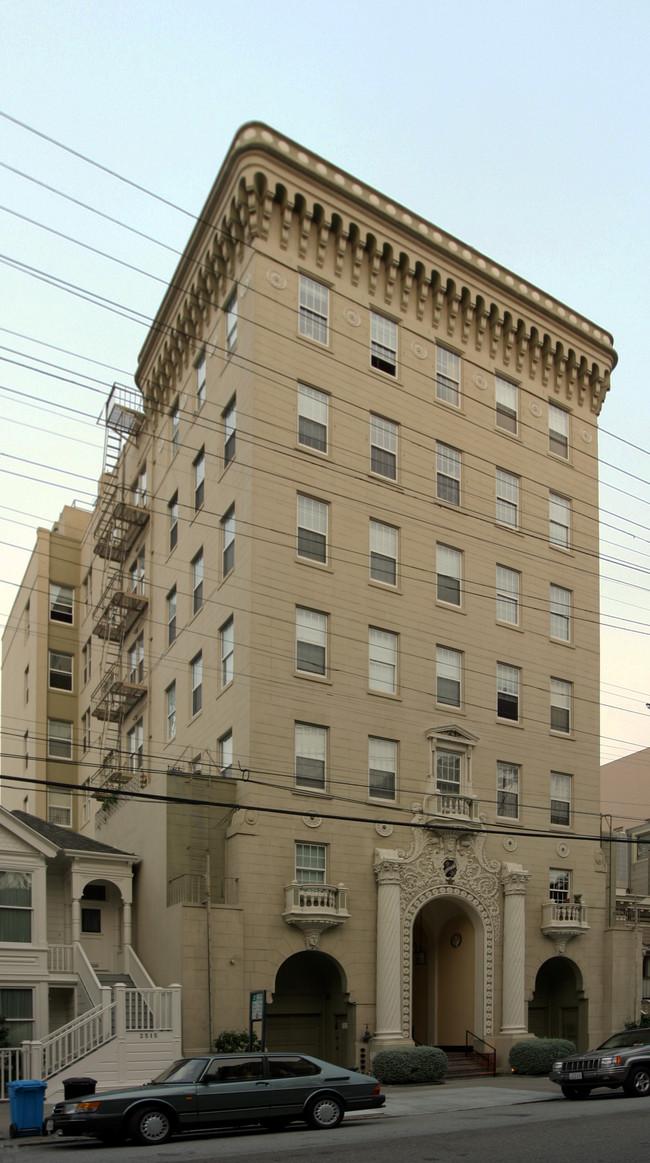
x: 468, y: 1064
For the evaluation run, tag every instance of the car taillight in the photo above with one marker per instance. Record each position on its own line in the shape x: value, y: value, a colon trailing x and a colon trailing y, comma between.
x: 377, y: 1089
x: 88, y: 1106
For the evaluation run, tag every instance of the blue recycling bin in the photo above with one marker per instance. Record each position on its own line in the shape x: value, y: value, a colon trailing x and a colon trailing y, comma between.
x: 26, y: 1102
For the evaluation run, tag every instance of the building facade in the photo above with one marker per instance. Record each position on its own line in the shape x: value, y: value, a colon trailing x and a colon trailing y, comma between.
x: 340, y: 592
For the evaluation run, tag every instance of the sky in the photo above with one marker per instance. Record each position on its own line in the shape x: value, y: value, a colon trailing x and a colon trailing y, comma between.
x: 520, y: 128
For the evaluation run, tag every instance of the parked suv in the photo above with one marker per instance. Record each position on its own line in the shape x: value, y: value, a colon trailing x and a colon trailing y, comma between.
x: 623, y: 1060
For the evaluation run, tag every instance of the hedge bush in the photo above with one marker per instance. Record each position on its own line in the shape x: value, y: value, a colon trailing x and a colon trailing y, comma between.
x: 233, y: 1041
x: 537, y: 1055
x: 412, y: 1064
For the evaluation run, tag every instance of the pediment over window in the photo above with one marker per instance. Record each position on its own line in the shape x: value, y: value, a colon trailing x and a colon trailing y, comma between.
x: 452, y: 733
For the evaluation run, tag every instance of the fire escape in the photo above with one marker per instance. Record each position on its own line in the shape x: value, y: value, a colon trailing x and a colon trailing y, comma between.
x: 122, y: 515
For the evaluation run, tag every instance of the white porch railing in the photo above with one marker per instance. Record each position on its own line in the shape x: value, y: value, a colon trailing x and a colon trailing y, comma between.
x: 60, y: 959
x: 10, y: 1068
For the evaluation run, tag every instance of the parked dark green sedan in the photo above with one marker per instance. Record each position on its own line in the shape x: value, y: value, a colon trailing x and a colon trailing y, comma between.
x: 222, y: 1090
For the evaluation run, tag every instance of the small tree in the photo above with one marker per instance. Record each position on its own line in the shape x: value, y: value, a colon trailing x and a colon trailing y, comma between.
x: 234, y: 1041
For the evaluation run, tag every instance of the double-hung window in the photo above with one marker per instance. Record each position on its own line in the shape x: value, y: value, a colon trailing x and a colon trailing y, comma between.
x: 15, y: 909
x: 135, y: 745
x: 448, y: 574
x: 560, y: 613
x: 228, y: 542
x: 199, y: 480
x: 507, y: 595
x: 448, y: 676
x: 60, y: 671
x: 170, y: 696
x: 382, y: 661
x: 508, y: 692
x: 230, y: 311
x: 447, y: 376
x: 508, y: 790
x: 312, y: 418
x: 560, y: 799
x: 140, y: 488
x: 561, y: 706
x: 196, y: 675
x: 382, y: 768
x: 59, y: 808
x: 507, y: 499
x: 311, y: 756
x: 174, y: 429
x: 172, y: 509
x: 448, y: 464
x: 227, y: 640
x: 448, y: 771
x: 312, y: 529
x: 559, y: 884
x: 383, y: 447
x: 229, y: 432
x: 61, y: 603
x: 558, y: 431
x: 506, y: 405
x: 383, y: 344
x: 197, y: 582
x: 313, y: 309
x: 172, y: 604
x: 87, y: 660
x: 59, y: 739
x: 137, y: 572
x: 310, y: 863
x: 200, y: 381
x: 225, y: 755
x: 559, y: 520
x: 383, y: 553
x: 311, y: 641
x: 136, y: 660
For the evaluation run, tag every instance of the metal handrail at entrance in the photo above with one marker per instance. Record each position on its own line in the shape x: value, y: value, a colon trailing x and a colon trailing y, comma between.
x: 490, y: 1058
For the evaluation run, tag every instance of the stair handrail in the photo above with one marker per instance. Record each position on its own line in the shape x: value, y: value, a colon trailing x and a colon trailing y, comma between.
x: 491, y: 1058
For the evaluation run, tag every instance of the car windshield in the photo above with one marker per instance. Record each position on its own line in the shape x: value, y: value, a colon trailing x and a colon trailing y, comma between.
x: 625, y: 1039
x: 185, y: 1070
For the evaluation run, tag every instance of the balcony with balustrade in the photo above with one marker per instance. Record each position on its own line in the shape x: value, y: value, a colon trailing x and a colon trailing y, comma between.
x: 315, y: 908
x: 562, y: 920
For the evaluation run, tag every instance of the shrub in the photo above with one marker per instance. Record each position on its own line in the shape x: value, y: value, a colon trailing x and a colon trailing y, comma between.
x: 537, y: 1055
x: 644, y: 1020
x: 232, y: 1041
x: 412, y: 1064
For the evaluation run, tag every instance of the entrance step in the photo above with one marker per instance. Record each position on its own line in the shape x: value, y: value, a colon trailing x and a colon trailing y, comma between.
x: 468, y: 1065
x: 114, y: 979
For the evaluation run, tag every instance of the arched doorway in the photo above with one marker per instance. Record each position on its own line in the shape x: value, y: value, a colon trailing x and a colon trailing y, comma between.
x: 558, y: 1008
x: 310, y: 1010
x: 100, y: 908
x: 446, y: 978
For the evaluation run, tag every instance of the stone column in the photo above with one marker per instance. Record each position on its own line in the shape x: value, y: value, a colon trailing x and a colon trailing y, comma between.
x: 388, y: 1030
x: 513, y: 1017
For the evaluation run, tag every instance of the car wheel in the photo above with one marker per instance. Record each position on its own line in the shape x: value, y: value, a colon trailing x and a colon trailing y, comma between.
x: 324, y: 1112
x: 151, y: 1125
x: 637, y: 1083
x: 575, y: 1092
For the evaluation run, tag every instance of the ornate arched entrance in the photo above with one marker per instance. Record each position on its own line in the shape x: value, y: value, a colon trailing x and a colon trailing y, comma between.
x: 447, y: 961
x: 311, y: 1010
x: 558, y: 1007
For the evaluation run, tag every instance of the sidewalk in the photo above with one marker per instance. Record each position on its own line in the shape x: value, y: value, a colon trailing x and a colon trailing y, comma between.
x: 456, y: 1094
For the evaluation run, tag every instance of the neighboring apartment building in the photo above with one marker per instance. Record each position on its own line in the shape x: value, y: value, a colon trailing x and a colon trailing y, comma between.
x: 340, y: 592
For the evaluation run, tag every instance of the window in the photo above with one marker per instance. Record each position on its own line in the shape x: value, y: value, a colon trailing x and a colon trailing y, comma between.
x: 26, y: 617
x: 448, y: 765
x: 507, y: 499
x: 311, y: 755
x: 383, y: 447
x: 558, y: 431
x: 170, y: 698
x: 312, y: 418
x: 197, y: 582
x: 199, y: 480
x: 382, y: 768
x: 228, y: 541
x: 60, y: 671
x: 172, y: 509
x: 85, y: 731
x: 448, y: 566
x: 383, y: 344
x: 91, y: 920
x: 26, y: 748
x: 447, y: 474
x: 16, y: 1005
x: 225, y: 755
x: 560, y: 613
x: 227, y: 636
x: 88, y: 588
x: 310, y: 863
x: 229, y: 432
x: 559, y: 520
x: 382, y: 661
x: 61, y: 603
x: 508, y: 692
x: 383, y: 553
x: 200, y: 381
x: 560, y: 706
x: 196, y: 671
x: 508, y: 790
x: 26, y: 684
x: 448, y: 676
x: 230, y: 311
x: 59, y: 808
x: 506, y: 405
x: 560, y: 798
x: 59, y: 739
x: 137, y: 573
x: 172, y: 602
x: 136, y: 661
x: 507, y: 595
x: 135, y: 745
x: 16, y: 907
x: 174, y: 429
x: 313, y: 309
x: 312, y: 529
x: 87, y: 660
x: 447, y: 377
x: 311, y: 641
x: 140, y: 488
x: 559, y: 884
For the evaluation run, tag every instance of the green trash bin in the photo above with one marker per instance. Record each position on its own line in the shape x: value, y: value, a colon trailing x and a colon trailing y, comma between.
x: 26, y: 1102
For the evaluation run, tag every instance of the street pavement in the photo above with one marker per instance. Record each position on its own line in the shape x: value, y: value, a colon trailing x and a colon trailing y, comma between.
x: 455, y: 1095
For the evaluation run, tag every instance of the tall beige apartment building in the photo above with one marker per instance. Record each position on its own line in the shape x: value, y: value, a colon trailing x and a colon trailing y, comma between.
x: 332, y: 633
